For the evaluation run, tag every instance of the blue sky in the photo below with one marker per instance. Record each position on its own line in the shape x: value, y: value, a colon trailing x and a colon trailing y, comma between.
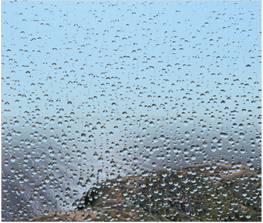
x: 212, y: 37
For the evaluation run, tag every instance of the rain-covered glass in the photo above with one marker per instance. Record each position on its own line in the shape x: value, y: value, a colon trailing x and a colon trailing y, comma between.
x: 131, y: 111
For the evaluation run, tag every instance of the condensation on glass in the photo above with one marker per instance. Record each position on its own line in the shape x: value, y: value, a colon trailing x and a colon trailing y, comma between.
x: 131, y: 111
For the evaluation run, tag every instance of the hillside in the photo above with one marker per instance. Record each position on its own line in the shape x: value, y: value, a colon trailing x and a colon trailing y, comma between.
x: 207, y: 192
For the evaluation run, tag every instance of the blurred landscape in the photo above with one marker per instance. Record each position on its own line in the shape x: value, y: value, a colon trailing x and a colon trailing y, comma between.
x: 192, y: 193
x: 131, y: 111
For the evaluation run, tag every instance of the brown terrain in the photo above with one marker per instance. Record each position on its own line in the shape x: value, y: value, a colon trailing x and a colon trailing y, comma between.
x: 118, y: 206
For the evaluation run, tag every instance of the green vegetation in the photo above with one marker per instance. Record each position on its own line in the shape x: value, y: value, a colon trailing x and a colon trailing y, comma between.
x: 171, y: 196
